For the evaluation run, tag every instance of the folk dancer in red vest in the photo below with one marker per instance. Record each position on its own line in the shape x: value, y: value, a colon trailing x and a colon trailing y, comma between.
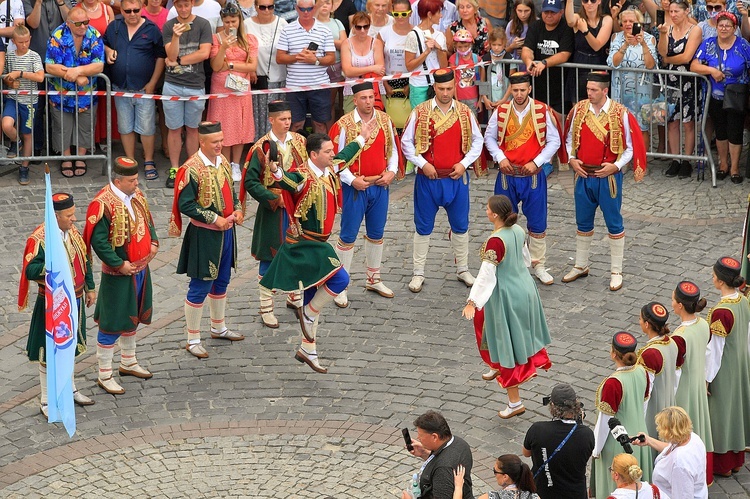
x: 599, y: 144
x: 365, y: 186
x: 442, y: 138
x: 522, y: 135
x: 120, y: 230
x: 204, y: 192
x: 83, y: 280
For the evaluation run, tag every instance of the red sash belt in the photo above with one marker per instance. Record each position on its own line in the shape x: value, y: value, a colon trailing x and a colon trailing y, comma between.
x: 441, y: 172
x: 139, y: 264
x: 212, y: 226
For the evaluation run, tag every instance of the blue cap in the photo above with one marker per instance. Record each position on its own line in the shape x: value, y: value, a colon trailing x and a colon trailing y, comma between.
x: 552, y: 6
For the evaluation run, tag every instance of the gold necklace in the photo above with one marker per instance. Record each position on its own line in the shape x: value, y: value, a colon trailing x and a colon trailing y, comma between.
x: 95, y: 9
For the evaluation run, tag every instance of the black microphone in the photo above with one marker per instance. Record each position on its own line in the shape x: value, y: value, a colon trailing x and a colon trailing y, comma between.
x: 620, y: 434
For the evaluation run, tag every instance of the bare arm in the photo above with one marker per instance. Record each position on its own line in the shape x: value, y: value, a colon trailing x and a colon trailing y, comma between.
x: 604, y: 35
x: 694, y: 40
x: 570, y: 16
x: 33, y: 18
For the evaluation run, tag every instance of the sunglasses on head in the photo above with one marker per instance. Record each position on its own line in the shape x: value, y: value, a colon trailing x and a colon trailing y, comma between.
x: 78, y: 24
x: 229, y: 10
x: 305, y: 9
x: 363, y: 27
x: 131, y: 11
x: 266, y: 7
x: 715, y: 8
x: 401, y: 14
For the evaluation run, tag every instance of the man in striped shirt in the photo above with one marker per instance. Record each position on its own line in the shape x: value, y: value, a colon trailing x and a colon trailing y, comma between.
x: 306, y: 47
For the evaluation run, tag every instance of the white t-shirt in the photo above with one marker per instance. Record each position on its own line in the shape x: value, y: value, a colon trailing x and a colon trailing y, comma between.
x: 374, y: 30
x: 268, y: 38
x: 432, y: 61
x: 681, y: 473
x: 16, y: 12
x: 644, y: 492
x: 210, y: 10
x: 393, y: 48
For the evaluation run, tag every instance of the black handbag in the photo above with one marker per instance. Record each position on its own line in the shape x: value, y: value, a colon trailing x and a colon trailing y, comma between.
x: 430, y: 88
x: 735, y: 97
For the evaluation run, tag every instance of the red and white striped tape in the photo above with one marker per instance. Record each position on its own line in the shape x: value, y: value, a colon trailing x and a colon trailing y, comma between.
x: 239, y: 94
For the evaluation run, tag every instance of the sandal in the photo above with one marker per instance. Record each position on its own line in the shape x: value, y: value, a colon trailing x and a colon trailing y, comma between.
x: 80, y: 168
x: 151, y: 173
x: 67, y: 171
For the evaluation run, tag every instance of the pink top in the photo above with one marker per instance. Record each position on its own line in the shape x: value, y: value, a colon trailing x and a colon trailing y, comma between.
x: 158, y: 19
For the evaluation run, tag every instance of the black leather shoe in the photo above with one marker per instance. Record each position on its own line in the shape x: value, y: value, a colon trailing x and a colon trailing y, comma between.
x: 721, y: 174
x: 737, y: 179
x: 686, y: 170
x: 673, y: 169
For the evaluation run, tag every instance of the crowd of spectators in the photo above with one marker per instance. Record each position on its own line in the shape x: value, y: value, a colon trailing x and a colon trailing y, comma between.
x: 210, y: 46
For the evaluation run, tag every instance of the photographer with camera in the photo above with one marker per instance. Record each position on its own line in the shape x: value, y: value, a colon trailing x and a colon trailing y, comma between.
x: 560, y: 449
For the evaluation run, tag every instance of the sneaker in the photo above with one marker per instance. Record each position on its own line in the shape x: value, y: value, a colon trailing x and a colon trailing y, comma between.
x: 236, y: 172
x: 12, y: 150
x: 673, y: 169
x: 23, y: 175
x: 170, y: 178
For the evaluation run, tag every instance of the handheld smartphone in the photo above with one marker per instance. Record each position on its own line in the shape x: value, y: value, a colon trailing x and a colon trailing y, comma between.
x: 636, y: 29
x: 407, y: 439
x: 313, y: 46
x: 233, y: 31
x: 188, y: 26
x: 659, y: 17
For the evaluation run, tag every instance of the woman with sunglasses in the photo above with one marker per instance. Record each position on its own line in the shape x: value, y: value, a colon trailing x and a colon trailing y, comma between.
x: 470, y: 20
x: 593, y: 30
x: 378, y: 10
x: 394, y: 44
x: 361, y: 55
x: 627, y: 474
x: 708, y: 26
x: 725, y: 59
x: 233, y: 53
x: 513, y: 476
x: 425, y: 49
x: 266, y: 27
x: 323, y: 15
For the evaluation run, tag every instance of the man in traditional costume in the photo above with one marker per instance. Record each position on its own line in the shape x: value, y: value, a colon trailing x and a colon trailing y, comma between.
x: 306, y: 262
x: 83, y: 279
x: 365, y: 186
x: 120, y: 229
x: 271, y: 220
x: 204, y: 192
x: 521, y: 136
x: 442, y: 139
x: 599, y: 145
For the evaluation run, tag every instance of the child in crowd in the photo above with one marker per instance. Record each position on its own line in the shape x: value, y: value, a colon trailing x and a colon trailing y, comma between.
x: 523, y: 14
x: 23, y: 68
x: 495, y: 88
x: 467, y: 90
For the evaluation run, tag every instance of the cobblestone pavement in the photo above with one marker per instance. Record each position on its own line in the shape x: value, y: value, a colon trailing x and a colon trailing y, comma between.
x: 250, y: 421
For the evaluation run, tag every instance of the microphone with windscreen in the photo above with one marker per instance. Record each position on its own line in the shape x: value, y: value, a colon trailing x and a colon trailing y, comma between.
x: 620, y: 434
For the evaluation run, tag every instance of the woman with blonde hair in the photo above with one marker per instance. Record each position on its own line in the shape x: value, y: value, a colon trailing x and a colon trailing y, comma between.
x: 679, y: 467
x: 378, y: 10
x: 627, y: 476
x: 470, y: 20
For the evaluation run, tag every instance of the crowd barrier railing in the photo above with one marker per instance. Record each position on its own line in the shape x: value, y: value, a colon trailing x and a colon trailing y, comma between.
x: 44, y: 130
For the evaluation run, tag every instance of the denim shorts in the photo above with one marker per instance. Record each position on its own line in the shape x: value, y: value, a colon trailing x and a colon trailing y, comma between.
x: 20, y: 115
x: 135, y: 115
x: 182, y: 113
x: 316, y: 102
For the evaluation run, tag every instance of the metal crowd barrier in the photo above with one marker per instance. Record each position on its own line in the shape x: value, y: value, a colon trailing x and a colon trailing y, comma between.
x: 43, y: 130
x: 650, y: 94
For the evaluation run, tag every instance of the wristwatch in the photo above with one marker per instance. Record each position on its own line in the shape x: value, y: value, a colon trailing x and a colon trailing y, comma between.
x: 231, y: 66
x: 544, y: 62
x: 317, y: 62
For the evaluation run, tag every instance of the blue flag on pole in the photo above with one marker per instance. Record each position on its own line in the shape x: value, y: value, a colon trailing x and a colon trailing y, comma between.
x: 61, y: 319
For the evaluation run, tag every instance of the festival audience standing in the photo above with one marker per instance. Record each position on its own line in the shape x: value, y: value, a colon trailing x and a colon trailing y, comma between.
x: 448, y: 14
x: 659, y: 357
x: 234, y: 55
x: 24, y: 70
x: 210, y: 10
x: 75, y: 53
x: 10, y: 16
x: 725, y: 59
x: 467, y: 88
x: 323, y: 14
x: 523, y: 14
x: 361, y: 56
x: 343, y: 10
x: 692, y: 337
x: 633, y: 51
x: 510, y: 321
x: 266, y: 27
x: 495, y: 11
x: 378, y: 11
x: 442, y: 180
x: 593, y: 30
x: 187, y: 41
x: 621, y: 395
x: 135, y: 53
x: 497, y: 89
x: 393, y: 37
x: 425, y: 49
x: 681, y: 459
x: 708, y: 26
x: 728, y: 369
x: 306, y: 47
x: 627, y: 477
x: 470, y: 20
x: 548, y: 43
x: 560, y: 470
x: 155, y: 12
x: 678, y: 42
x: 33, y: 269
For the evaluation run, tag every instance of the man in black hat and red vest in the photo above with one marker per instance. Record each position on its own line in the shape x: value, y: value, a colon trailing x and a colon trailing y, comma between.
x: 442, y: 139
x: 521, y: 147
x: 204, y: 192
x: 83, y: 280
x: 121, y: 231
x: 599, y: 143
x: 271, y: 220
x: 365, y: 185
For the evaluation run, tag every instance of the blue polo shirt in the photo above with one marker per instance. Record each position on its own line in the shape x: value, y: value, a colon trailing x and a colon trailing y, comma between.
x: 136, y: 57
